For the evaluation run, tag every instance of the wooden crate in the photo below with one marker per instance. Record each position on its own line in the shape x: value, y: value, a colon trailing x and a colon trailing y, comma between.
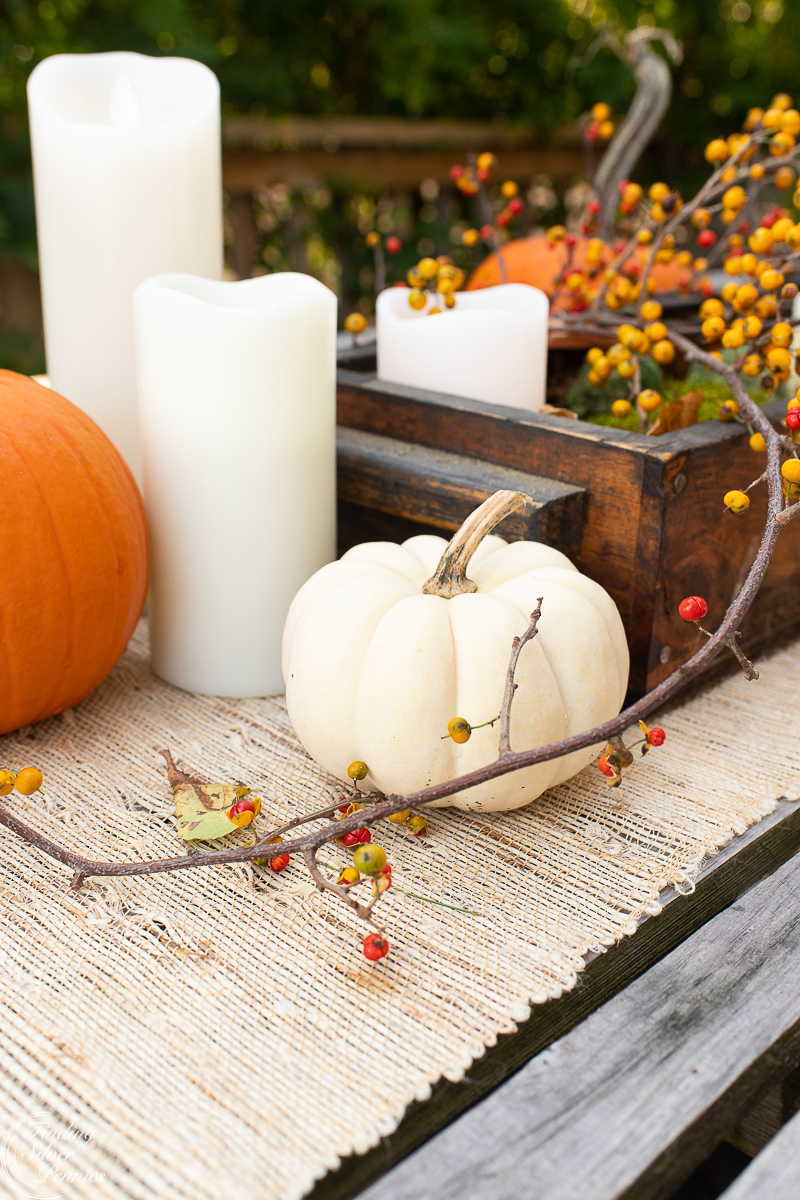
x: 653, y: 527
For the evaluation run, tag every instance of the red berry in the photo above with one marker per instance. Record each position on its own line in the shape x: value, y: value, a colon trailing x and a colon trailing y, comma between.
x: 626, y: 208
x: 592, y: 131
x: 594, y: 206
x: 401, y: 284
x: 483, y: 175
x: 487, y: 232
x: 515, y: 206
x: 570, y: 239
x: 605, y: 765
x: 351, y: 839
x: 344, y: 808
x: 693, y: 608
x: 503, y: 218
x: 708, y: 288
x: 375, y: 946
x: 456, y: 172
x: 393, y: 245
x: 793, y: 418
x: 657, y: 736
x: 623, y: 183
x: 364, y: 835
x: 279, y: 863
x: 743, y: 227
x: 706, y: 238
x: 769, y: 220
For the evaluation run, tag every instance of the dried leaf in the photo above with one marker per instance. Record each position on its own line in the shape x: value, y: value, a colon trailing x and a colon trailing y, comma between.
x: 202, y: 807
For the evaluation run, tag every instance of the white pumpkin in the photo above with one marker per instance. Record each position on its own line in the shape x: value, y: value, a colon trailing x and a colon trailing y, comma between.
x: 375, y: 666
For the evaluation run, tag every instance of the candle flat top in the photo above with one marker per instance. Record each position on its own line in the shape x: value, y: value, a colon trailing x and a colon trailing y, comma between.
x: 121, y: 90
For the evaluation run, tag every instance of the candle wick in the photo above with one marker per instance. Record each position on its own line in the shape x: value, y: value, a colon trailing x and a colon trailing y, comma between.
x: 123, y: 106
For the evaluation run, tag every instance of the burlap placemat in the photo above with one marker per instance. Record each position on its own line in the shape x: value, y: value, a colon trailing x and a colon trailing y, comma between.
x: 218, y: 1032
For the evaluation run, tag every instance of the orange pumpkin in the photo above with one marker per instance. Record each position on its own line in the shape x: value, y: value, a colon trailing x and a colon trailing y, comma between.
x: 75, y: 553
x: 536, y: 261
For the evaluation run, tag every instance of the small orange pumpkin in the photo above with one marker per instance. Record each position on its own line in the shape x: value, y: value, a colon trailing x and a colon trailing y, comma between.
x: 537, y: 261
x: 75, y: 553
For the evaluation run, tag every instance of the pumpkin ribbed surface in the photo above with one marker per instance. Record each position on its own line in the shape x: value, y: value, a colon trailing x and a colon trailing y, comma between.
x: 375, y: 669
x: 73, y: 573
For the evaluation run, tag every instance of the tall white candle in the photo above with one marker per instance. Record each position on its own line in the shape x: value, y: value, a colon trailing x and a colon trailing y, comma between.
x: 127, y: 174
x: 491, y: 346
x: 237, y: 396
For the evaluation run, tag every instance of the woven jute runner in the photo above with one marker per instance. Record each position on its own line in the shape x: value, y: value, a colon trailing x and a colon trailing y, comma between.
x: 217, y: 1032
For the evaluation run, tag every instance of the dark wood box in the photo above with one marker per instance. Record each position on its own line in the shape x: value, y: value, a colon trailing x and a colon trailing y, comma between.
x: 641, y: 515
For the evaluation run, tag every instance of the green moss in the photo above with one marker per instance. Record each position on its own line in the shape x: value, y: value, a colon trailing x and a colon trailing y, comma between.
x: 713, y: 389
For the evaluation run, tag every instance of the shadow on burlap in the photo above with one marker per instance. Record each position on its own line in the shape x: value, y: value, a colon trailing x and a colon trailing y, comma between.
x: 217, y: 1032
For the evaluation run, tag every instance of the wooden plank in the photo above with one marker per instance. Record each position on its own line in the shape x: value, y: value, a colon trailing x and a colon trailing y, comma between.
x: 630, y: 1102
x: 739, y: 865
x: 441, y: 489
x: 775, y: 1172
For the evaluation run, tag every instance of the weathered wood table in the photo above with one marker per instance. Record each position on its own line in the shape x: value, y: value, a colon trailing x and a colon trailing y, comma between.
x: 624, y: 1085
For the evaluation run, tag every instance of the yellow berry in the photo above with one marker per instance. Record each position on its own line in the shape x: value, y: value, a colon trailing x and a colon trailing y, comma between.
x: 729, y: 291
x: 791, y: 121
x: 712, y: 307
x: 734, y: 197
x: 753, y: 117
x: 782, y: 101
x: 757, y: 442
x: 6, y: 782
x: 369, y: 859
x: 782, y: 144
x: 658, y: 191
x: 603, y: 367
x: 372, y: 239
x: 617, y: 353
x: 713, y: 328
x: 629, y: 336
x: 593, y: 354
x: 771, y: 279
x: 782, y: 334
x: 752, y: 327
x: 606, y: 130
x: 728, y: 409
x: 427, y: 267
x: 399, y: 817
x: 358, y: 770
x: 594, y: 379
x: 355, y: 323
x: 414, y: 278
x: 766, y: 307
x: 663, y: 351
x: 509, y: 189
x: 649, y: 400
x: 733, y: 265
x: 433, y: 311
x: 556, y: 233
x: 757, y: 171
x: 632, y: 193
x: 621, y: 408
x: 701, y: 218
x: 486, y: 161
x: 28, y: 780
x: 626, y: 369
x: 459, y: 729
x: 772, y: 118
x: 470, y: 237
x: 656, y: 331
x: 644, y: 237
x: 737, y: 501
x: 684, y: 258
x: 449, y: 301
x: 657, y: 213
x: 601, y: 111
x: 732, y: 339
x: 794, y: 402
x: 716, y: 151
x: 651, y: 310
x: 760, y: 240
x: 790, y: 471
x: 749, y: 264
x: 746, y: 296
x: 778, y: 359
x: 417, y: 298
x: 753, y: 365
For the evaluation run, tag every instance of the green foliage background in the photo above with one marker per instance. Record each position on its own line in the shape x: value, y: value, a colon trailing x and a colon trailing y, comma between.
x: 504, y: 60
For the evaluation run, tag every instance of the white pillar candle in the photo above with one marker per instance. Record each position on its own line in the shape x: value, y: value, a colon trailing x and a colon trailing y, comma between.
x: 127, y: 174
x: 237, y: 398
x: 491, y: 346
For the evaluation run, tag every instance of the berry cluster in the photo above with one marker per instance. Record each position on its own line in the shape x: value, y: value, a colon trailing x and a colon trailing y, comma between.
x: 27, y: 781
x: 434, y: 282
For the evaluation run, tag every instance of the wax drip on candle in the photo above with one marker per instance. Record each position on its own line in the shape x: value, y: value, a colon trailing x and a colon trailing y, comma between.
x: 123, y: 106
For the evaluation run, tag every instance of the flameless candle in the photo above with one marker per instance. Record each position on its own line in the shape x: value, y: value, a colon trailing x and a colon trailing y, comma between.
x: 126, y: 163
x: 491, y: 346
x: 237, y: 397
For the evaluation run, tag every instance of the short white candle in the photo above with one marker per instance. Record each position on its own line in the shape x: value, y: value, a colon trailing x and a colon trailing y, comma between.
x: 127, y: 174
x: 237, y: 397
x: 491, y: 346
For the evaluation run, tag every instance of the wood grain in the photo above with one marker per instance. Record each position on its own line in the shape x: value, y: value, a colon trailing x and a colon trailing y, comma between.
x: 631, y: 1101
x: 775, y: 1173
x: 739, y: 865
x: 440, y: 489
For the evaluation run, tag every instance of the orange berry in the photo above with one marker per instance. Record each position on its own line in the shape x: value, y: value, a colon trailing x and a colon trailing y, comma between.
x: 649, y: 400
x: 28, y: 780
x: 757, y: 443
x: 355, y: 323
x: 6, y: 782
x: 716, y: 151
x: 651, y: 310
x: 621, y: 408
x: 712, y: 328
x: 782, y: 334
x: 712, y: 307
x: 509, y: 189
x: 664, y: 351
x: 601, y: 111
x: 760, y: 241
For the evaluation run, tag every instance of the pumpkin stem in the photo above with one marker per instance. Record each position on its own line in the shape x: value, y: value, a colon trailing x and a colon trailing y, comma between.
x: 450, y: 577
